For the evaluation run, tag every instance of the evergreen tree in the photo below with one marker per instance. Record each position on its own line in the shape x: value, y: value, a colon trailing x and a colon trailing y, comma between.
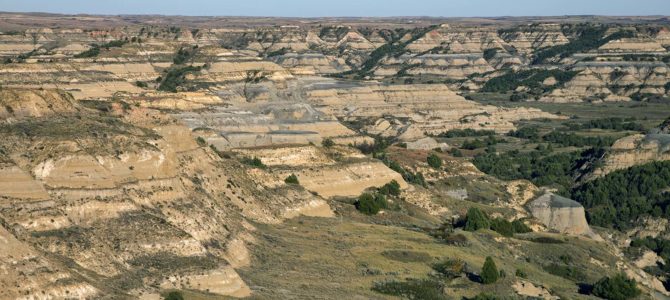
x: 434, y: 161
x: 489, y: 271
x: 476, y: 219
x: 618, y: 287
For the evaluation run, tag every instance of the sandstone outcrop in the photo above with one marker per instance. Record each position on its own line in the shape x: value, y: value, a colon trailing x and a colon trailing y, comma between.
x: 561, y: 214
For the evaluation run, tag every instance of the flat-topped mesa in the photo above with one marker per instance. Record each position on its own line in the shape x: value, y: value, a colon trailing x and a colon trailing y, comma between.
x: 561, y: 214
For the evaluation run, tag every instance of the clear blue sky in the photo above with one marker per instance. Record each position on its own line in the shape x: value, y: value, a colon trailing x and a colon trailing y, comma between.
x: 321, y: 8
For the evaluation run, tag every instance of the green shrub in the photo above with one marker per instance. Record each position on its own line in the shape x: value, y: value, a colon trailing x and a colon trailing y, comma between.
x: 254, y: 162
x: 450, y: 268
x: 502, y: 226
x: 485, y: 296
x: 423, y: 289
x: 455, y: 152
x: 618, y: 287
x: 521, y: 273
x: 475, y: 220
x: 174, y: 295
x: 141, y: 84
x: 292, y: 179
x: 371, y: 204
x: 201, y: 142
x: 392, y: 188
x: 520, y: 227
x: 567, y: 272
x: 490, y: 272
x: 327, y: 143
x: 434, y: 161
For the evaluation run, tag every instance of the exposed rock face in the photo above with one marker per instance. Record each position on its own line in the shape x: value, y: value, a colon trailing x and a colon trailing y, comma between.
x: 634, y: 150
x: 632, y: 45
x: 528, y: 289
x: 561, y: 214
x: 131, y: 198
x: 431, y: 108
x: 426, y: 143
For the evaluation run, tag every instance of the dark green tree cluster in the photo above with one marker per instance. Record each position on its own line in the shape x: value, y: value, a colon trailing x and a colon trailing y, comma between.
x: 476, y: 219
x: 176, y: 77
x: 618, y: 287
x: 621, y: 197
x: 658, y: 245
x: 618, y: 124
x: 477, y: 143
x: 527, y: 132
x: 95, y: 48
x: 390, y: 189
x: 589, y: 37
x: 378, y: 146
x: 543, y: 169
x: 532, y: 79
x: 465, y: 133
x: 575, y: 140
x: 370, y: 204
x: 434, y: 161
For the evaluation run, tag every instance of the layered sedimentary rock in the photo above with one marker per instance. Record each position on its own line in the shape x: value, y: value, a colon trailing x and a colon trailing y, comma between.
x: 115, y: 200
x: 560, y: 214
x: 637, y: 149
x: 422, y: 108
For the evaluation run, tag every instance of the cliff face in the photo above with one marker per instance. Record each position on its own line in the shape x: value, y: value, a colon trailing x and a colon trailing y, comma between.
x: 634, y: 150
x: 560, y: 214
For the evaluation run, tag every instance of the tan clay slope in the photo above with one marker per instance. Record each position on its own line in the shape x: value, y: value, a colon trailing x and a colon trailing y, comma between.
x: 163, y: 212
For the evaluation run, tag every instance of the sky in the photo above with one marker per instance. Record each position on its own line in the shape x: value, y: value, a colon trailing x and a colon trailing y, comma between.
x: 339, y: 8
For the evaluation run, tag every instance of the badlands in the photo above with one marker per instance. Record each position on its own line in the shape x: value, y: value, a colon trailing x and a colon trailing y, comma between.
x: 149, y: 157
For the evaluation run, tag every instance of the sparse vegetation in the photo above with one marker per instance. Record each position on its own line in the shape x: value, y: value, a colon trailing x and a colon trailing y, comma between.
x: 292, y: 179
x: 416, y: 289
x: 254, y: 162
x: 327, y: 143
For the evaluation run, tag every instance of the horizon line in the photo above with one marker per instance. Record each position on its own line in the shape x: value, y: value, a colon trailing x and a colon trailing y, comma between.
x: 344, y: 17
